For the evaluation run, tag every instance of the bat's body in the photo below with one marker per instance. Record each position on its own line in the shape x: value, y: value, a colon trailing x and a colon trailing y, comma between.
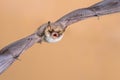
x: 53, y: 32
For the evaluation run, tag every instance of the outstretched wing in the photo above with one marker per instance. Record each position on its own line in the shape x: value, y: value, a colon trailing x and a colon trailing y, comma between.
x: 11, y: 52
x: 102, y: 8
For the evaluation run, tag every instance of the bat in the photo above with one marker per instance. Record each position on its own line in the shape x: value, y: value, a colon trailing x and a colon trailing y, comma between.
x: 54, y: 32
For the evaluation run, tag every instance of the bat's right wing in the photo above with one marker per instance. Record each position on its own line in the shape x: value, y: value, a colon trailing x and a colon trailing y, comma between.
x: 11, y: 52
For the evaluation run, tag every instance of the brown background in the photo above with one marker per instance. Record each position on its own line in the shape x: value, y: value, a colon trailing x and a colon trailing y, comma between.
x: 90, y: 49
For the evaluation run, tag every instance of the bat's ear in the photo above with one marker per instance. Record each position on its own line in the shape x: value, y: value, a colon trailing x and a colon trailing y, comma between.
x: 49, y: 25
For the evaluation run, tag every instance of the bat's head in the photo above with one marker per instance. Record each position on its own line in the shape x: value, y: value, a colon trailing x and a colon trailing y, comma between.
x: 53, y: 33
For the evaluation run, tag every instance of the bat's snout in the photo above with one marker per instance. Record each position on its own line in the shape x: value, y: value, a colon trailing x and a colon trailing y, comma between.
x: 52, y: 38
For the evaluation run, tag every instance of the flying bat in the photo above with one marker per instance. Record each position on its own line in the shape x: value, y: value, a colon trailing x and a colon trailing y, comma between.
x: 54, y: 31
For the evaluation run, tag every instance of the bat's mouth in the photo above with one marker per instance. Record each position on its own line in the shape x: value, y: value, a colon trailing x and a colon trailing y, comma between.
x: 55, y: 35
x: 53, y: 38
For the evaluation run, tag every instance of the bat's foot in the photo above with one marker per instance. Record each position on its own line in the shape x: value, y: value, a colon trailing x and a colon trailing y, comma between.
x: 17, y: 57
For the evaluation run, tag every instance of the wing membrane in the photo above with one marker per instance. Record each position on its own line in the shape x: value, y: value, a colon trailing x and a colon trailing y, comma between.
x: 11, y: 52
x: 102, y: 8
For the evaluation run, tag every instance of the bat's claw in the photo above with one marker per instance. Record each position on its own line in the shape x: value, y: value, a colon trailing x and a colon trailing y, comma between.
x: 17, y: 57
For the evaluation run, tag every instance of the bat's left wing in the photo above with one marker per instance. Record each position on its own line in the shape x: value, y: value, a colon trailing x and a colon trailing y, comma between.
x: 11, y: 52
x: 102, y: 8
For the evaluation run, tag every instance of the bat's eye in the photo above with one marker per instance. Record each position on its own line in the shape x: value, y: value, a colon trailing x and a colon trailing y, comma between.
x: 50, y: 31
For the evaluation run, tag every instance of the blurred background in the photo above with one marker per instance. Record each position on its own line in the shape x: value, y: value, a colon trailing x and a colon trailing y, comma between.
x: 90, y: 49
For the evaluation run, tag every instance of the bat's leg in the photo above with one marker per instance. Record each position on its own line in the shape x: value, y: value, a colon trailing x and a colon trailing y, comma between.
x: 94, y: 9
x: 96, y: 15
